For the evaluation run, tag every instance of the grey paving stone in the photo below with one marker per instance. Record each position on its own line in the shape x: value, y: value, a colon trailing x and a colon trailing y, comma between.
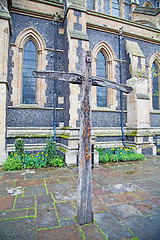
x: 58, y: 187
x: 65, y: 210
x: 124, y: 211
x: 46, y: 216
x: 25, y: 202
x: 31, y: 212
x: 13, y: 214
x: 37, y: 175
x: 111, y: 227
x: 34, y: 190
x: 18, y: 229
x: 44, y: 199
x: 126, y: 187
x: 91, y: 232
x: 148, y: 184
x: 67, y: 222
x: 61, y: 233
x: 6, y: 189
x: 145, y: 228
x: 148, y: 207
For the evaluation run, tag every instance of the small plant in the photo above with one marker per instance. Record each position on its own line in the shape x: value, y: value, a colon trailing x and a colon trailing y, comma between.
x: 12, y: 163
x: 50, y: 149
x: 19, y: 147
x: 57, y: 162
x: 113, y: 158
x: 103, y: 158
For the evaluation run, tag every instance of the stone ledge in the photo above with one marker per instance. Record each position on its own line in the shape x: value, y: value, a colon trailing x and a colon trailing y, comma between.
x: 32, y: 106
x: 142, y: 96
x: 78, y: 35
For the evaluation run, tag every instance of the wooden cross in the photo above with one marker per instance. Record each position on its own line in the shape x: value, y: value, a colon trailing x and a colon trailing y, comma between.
x: 84, y: 198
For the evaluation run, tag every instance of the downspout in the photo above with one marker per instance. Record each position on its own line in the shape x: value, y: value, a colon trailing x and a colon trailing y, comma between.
x: 56, y: 21
x: 120, y: 33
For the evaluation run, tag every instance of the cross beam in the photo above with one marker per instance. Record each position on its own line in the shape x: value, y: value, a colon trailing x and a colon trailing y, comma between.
x: 77, y: 79
x: 84, y: 198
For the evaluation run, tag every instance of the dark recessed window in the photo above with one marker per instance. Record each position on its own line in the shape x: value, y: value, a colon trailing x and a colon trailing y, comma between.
x: 155, y: 87
x: 101, y: 72
x: 29, y: 81
x: 115, y: 8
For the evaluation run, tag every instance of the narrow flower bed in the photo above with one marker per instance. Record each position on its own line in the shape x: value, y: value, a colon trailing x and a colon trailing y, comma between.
x: 118, y: 154
x: 20, y: 160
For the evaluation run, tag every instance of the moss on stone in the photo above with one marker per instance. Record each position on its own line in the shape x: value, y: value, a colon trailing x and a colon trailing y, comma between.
x: 62, y: 150
x: 133, y: 133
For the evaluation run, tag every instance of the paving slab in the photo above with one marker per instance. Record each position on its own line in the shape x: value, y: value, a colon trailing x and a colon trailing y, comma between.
x: 67, y: 222
x: 18, y: 229
x: 147, y: 207
x: 145, y: 195
x: 14, y: 191
x: 37, y: 175
x: 124, y: 211
x: 126, y: 197
x: 51, y: 181
x: 44, y: 199
x: 148, y: 184
x: 4, y: 186
x: 6, y: 203
x: 144, y: 228
x: 65, y: 210
x: 101, y: 191
x: 34, y: 190
x: 126, y: 187
x: 92, y: 232
x: 24, y: 202
x: 13, y: 214
x: 46, y: 216
x: 34, y: 182
x: 98, y: 206
x: 112, y: 227
x: 66, y: 232
x: 12, y: 176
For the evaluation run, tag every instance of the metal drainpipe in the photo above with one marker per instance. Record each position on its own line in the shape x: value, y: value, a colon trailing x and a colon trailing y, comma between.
x: 55, y: 69
x: 120, y: 33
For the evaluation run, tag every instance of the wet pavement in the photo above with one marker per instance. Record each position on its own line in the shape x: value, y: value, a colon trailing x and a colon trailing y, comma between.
x: 41, y: 204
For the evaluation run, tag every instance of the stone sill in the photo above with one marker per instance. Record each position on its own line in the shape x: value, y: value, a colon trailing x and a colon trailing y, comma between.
x: 106, y: 109
x: 32, y: 106
x: 155, y: 111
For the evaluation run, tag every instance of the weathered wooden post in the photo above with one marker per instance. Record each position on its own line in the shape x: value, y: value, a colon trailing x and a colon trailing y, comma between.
x: 84, y: 194
x: 84, y: 199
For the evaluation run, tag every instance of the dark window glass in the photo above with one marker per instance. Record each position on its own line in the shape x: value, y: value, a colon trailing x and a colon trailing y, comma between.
x: 101, y: 72
x: 155, y: 90
x: 29, y: 81
x: 115, y: 8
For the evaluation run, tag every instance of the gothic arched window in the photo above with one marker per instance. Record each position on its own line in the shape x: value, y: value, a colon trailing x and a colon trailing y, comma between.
x: 115, y: 8
x: 155, y: 87
x: 29, y: 81
x: 101, y: 72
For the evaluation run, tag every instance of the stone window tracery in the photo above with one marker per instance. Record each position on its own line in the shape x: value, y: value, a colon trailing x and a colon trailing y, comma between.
x: 103, y: 65
x: 32, y: 37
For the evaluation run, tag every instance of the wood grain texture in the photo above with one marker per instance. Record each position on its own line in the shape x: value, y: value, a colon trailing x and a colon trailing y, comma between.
x: 84, y: 201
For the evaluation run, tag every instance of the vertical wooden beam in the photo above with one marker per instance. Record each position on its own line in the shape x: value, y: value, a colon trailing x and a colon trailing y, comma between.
x: 84, y: 200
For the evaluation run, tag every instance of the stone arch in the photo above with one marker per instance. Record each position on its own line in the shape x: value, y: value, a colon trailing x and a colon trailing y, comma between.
x: 148, y: 4
x: 111, y: 62
x: 17, y: 59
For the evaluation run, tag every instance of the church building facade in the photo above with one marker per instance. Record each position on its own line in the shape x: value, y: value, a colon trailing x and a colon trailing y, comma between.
x: 124, y: 39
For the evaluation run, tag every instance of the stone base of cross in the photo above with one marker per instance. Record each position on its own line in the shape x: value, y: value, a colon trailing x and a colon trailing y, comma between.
x: 85, y: 79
